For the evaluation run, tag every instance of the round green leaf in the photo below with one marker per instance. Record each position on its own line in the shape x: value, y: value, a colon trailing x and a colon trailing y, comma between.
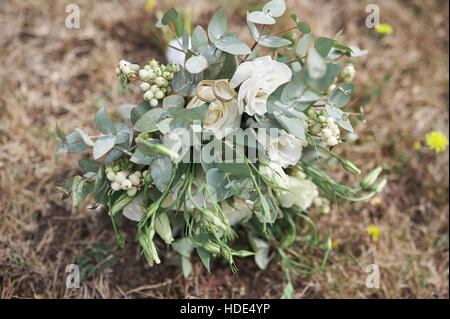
x: 259, y: 17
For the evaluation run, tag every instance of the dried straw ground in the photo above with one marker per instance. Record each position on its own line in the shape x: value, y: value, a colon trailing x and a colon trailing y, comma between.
x: 51, y: 74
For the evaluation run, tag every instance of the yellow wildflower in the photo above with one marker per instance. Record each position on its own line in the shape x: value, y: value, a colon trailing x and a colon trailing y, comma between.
x: 373, y: 231
x: 417, y: 145
x: 384, y: 28
x: 335, y: 244
x: 150, y: 5
x: 437, y: 141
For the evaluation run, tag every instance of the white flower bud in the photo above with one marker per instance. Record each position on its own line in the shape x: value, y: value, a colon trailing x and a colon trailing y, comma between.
x: 120, y: 177
x: 132, y: 191
x: 327, y: 133
x: 111, y: 176
x: 145, y: 86
x: 159, y: 95
x: 126, y: 184
x: 332, y: 141
x: 143, y: 73
x: 154, y: 88
x: 134, y: 179
x: 159, y: 81
x: 115, y: 186
x: 137, y: 173
x: 147, y: 67
x: 148, y: 95
x: 154, y: 102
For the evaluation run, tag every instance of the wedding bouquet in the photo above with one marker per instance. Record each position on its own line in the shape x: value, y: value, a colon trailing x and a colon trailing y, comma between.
x: 223, y: 155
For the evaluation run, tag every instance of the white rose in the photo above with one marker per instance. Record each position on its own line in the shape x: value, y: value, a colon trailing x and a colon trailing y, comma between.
x: 302, y: 193
x: 258, y: 79
x: 285, y: 149
x: 222, y: 118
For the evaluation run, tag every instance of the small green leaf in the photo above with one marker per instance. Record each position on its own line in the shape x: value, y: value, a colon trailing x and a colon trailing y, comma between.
x: 183, y: 246
x: 260, y: 17
x: 161, y: 172
x: 89, y: 165
x: 323, y: 46
x: 103, y: 145
x: 302, y: 47
x: 342, y: 47
x: 186, y: 266
x: 234, y: 169
x: 317, y: 67
x: 75, y: 143
x: 199, y: 39
x: 341, y: 95
x: 169, y: 16
x: 275, y: 8
x: 196, y: 64
x: 205, y: 257
x: 273, y: 41
x: 223, y: 68
x: 232, y: 45
x: 103, y: 123
x: 303, y: 27
x: 173, y: 100
x: 148, y: 121
x: 217, y: 26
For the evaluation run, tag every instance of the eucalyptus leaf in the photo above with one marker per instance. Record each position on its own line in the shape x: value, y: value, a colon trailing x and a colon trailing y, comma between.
x: 85, y: 137
x: 103, y: 144
x: 273, y: 41
x: 138, y: 111
x: 216, y: 183
x: 148, y: 121
x: 161, y: 172
x: 260, y: 17
x: 173, y: 100
x: 232, y: 45
x: 217, y: 26
x: 222, y: 68
x: 341, y: 118
x: 341, y: 95
x: 186, y: 266
x: 169, y: 16
x: 89, y: 165
x: 323, y: 46
x: 302, y: 47
x: 253, y: 29
x: 275, y: 8
x: 103, y: 123
x: 196, y: 64
x: 316, y: 65
x: 199, y: 38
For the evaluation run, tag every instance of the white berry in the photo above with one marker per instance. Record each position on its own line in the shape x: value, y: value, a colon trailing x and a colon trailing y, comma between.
x: 115, y: 186
x: 134, y: 179
x: 111, y: 176
x: 126, y: 184
x: 132, y: 191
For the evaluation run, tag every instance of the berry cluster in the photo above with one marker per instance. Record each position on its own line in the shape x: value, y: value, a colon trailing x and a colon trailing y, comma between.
x: 159, y: 75
x: 325, y: 127
x: 122, y: 177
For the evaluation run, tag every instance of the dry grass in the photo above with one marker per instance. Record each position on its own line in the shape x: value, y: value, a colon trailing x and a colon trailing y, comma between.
x: 51, y: 74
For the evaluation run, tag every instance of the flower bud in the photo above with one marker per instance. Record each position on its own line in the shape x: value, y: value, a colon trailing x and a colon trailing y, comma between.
x: 212, y: 247
x: 162, y: 227
x: 115, y: 186
x: 379, y: 187
x: 370, y: 178
x: 159, y: 95
x: 350, y: 167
